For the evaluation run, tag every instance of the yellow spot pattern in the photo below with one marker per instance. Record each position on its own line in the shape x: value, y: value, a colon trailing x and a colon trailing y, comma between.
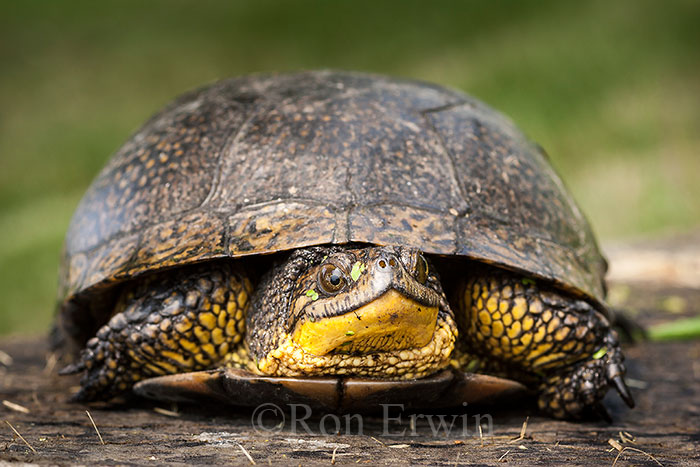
x: 199, y: 335
x: 502, y: 319
x: 208, y: 320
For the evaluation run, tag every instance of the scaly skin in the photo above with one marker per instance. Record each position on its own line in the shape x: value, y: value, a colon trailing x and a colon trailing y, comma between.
x: 174, y: 322
x: 561, y: 345
x: 387, y: 318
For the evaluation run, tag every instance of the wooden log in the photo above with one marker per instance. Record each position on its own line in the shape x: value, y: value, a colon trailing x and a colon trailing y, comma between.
x: 664, y: 427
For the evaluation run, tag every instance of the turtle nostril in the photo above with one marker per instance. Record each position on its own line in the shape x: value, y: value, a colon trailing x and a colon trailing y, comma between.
x: 387, y: 261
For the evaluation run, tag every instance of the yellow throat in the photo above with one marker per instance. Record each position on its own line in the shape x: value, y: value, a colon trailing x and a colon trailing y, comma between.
x: 390, y: 322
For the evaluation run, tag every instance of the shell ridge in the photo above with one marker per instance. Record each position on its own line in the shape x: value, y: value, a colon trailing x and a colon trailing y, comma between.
x: 232, y: 139
x: 459, y: 240
x: 348, y: 210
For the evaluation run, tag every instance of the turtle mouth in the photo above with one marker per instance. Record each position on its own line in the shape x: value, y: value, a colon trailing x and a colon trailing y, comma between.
x: 291, y: 359
x: 391, y: 337
x: 391, y: 322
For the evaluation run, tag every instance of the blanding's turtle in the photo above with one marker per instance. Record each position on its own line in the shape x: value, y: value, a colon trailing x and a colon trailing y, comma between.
x: 341, y: 238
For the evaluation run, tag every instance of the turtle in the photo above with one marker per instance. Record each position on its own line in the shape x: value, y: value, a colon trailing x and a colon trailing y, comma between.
x: 341, y: 238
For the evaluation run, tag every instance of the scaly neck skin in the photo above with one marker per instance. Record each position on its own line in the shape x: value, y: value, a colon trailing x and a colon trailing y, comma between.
x: 375, y: 311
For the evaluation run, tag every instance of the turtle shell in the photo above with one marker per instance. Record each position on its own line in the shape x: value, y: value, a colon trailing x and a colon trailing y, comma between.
x: 268, y: 163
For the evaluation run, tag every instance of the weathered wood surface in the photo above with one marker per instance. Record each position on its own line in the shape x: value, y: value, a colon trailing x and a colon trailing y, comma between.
x: 665, y: 380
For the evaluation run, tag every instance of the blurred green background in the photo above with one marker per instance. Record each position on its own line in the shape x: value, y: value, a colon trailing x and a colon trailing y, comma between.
x: 610, y: 89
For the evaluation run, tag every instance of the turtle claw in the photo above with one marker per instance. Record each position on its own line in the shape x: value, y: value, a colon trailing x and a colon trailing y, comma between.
x: 72, y: 368
x: 615, y: 370
x: 623, y: 390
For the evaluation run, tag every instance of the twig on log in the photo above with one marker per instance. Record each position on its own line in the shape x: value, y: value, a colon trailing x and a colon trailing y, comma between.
x: 246, y: 453
x: 15, y: 407
x: 21, y: 437
x: 95, y: 426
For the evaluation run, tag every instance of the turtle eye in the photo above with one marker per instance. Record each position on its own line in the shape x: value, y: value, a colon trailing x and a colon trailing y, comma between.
x: 421, y: 269
x: 331, y: 279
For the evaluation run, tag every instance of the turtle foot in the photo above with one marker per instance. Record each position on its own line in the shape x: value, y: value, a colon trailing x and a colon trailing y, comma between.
x: 577, y: 391
x: 106, y: 373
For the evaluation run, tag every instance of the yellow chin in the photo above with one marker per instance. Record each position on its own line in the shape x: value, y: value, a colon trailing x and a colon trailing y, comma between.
x: 289, y: 359
x: 391, y: 322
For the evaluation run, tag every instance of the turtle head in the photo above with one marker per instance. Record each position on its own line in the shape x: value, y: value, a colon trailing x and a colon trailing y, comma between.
x: 364, y: 301
x: 375, y: 311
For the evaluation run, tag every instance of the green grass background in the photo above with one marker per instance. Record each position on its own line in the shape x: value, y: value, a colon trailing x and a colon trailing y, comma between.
x: 610, y: 88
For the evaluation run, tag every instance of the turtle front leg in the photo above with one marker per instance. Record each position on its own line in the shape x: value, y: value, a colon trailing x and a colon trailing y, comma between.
x: 559, y: 344
x: 176, y: 321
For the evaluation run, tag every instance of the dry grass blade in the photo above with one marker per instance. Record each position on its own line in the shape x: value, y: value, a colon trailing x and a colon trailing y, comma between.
x: 636, y: 383
x: 5, y: 358
x: 626, y: 437
x: 250, y: 459
x: 635, y: 450
x: 500, y: 459
x: 21, y: 437
x: 481, y: 435
x: 95, y: 426
x: 15, y: 407
x: 380, y: 442
x: 51, y: 360
x: 333, y: 456
x: 166, y: 412
x: 523, y: 431
x: 615, y: 444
